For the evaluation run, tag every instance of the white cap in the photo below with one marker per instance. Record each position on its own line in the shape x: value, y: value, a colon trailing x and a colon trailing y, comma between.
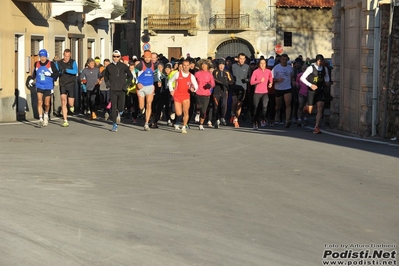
x: 116, y: 52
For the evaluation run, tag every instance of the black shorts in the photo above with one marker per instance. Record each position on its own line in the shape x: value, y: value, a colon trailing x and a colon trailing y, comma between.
x: 315, y: 96
x: 280, y: 93
x: 45, y: 93
x: 239, y: 92
x: 68, y: 89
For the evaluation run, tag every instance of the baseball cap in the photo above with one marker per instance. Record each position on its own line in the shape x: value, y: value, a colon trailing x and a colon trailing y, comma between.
x: 125, y: 58
x: 116, y: 52
x: 43, y: 52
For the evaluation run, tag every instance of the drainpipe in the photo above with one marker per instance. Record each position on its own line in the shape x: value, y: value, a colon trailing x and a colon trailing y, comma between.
x: 376, y: 68
x: 389, y: 52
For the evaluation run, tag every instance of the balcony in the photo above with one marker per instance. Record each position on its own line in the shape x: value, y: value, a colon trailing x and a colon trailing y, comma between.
x: 80, y: 6
x: 109, y: 9
x: 222, y: 22
x: 179, y: 22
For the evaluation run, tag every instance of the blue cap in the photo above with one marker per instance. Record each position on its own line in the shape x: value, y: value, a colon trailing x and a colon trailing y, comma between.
x: 43, y: 52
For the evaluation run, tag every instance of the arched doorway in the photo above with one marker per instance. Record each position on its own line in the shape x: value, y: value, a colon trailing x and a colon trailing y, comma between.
x: 233, y: 48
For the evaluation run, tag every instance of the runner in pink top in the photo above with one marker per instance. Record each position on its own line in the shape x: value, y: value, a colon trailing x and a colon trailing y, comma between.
x: 263, y: 79
x: 206, y: 82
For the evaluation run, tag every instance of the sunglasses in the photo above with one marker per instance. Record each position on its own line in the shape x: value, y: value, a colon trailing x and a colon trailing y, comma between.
x: 117, y: 56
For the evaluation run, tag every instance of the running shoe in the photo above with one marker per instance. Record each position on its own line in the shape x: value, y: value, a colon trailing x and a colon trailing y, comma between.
x: 177, y: 127
x: 40, y: 123
x: 201, y: 127
x: 45, y: 121
x: 170, y: 123
x: 255, y: 127
x: 65, y: 124
x: 134, y: 121
x: 154, y: 125
x: 106, y: 116
x: 287, y: 124
x: 172, y: 116
x: 93, y: 115
x: 146, y: 127
x: 184, y: 130
x: 114, y: 128
x: 263, y: 123
x: 317, y: 130
x: 197, y: 118
x: 394, y: 138
x: 72, y: 109
x: 305, y: 110
x: 209, y: 124
x: 216, y: 126
x: 236, y: 125
x: 118, y: 119
x: 232, y: 119
x: 223, y: 121
x: 299, y: 123
x: 218, y: 122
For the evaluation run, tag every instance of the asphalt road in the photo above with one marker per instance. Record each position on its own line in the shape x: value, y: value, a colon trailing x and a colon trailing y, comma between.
x: 85, y: 196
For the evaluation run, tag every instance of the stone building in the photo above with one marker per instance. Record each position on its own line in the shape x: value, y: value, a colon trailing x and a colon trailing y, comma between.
x: 361, y: 30
x: 220, y: 28
x: 30, y: 25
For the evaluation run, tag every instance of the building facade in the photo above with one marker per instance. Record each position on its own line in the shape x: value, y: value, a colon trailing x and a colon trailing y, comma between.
x: 80, y: 25
x: 362, y: 62
x: 205, y: 28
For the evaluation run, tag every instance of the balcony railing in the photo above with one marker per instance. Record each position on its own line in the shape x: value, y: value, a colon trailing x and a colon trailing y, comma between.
x: 229, y: 22
x: 171, y: 22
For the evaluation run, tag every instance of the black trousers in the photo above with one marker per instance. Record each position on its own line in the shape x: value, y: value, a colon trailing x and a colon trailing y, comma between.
x: 219, y: 104
x: 118, y: 103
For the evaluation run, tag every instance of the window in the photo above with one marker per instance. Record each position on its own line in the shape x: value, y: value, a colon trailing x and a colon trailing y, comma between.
x: 288, y: 39
x: 59, y: 46
x: 174, y: 7
x: 91, y: 48
x: 232, y: 7
x: 36, y: 44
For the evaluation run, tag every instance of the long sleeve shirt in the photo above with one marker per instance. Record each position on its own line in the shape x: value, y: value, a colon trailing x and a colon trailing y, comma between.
x: 256, y: 79
x: 309, y: 70
x: 204, y: 78
x: 118, y: 76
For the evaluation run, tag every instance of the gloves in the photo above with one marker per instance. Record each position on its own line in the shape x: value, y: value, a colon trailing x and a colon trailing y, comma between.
x: 125, y: 88
x: 207, y: 86
x: 47, y: 73
x: 244, y: 80
x: 31, y: 83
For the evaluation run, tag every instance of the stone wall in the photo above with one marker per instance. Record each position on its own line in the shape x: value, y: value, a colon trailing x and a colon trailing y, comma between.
x: 352, y: 91
x: 393, y: 99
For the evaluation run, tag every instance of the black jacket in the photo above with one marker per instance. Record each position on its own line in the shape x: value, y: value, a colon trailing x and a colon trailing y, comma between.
x: 118, y: 77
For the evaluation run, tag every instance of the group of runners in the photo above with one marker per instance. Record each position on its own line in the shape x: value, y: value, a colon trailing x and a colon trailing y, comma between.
x: 271, y: 91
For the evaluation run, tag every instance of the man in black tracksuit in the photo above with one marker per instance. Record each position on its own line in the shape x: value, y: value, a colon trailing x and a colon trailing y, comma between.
x: 117, y: 76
